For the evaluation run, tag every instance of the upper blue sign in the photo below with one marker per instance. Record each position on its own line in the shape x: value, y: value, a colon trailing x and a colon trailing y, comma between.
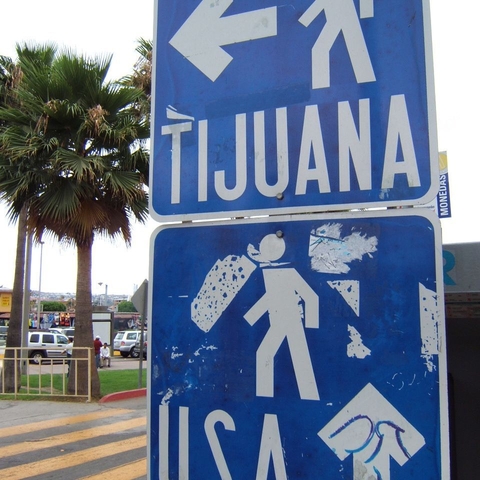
x: 314, y: 105
x: 309, y: 348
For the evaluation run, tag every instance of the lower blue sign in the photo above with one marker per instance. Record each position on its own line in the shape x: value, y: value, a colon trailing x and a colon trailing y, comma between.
x: 303, y: 347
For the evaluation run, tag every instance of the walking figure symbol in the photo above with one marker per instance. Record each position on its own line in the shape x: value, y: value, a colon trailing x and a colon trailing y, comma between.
x: 341, y: 17
x: 284, y: 291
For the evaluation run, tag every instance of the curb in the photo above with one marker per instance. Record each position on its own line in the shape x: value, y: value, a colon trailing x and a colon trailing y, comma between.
x: 114, y: 397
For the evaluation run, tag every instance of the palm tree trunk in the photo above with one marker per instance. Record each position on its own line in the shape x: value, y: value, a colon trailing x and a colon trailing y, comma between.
x: 14, y: 335
x: 83, y: 326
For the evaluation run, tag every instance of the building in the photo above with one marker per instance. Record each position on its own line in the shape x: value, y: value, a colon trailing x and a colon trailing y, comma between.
x: 5, y: 305
x: 462, y: 311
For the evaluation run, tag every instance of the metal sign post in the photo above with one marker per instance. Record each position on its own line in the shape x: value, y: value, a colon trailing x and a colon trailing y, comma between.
x: 299, y: 346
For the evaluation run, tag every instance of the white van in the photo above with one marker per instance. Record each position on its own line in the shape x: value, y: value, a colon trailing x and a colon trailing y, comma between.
x: 45, y: 344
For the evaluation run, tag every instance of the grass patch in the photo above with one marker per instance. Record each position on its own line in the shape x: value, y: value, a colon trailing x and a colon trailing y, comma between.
x: 111, y: 381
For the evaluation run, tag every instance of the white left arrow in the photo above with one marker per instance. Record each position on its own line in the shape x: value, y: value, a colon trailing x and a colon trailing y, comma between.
x: 205, y: 31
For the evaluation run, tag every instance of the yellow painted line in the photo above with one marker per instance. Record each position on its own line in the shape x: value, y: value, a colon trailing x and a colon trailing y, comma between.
x: 128, y: 471
x: 65, y: 462
x: 60, y: 422
x: 63, y: 439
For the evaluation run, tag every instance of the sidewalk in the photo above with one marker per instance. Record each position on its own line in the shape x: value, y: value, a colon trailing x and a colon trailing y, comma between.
x: 117, y: 363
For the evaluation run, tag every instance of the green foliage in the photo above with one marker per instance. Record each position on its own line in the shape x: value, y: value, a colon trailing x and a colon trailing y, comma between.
x: 53, y: 307
x: 73, y: 156
x: 126, y: 306
x: 73, y: 148
x: 112, y: 381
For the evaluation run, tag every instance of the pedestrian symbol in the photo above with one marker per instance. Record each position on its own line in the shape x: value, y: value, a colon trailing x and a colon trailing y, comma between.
x: 285, y: 292
x: 341, y: 17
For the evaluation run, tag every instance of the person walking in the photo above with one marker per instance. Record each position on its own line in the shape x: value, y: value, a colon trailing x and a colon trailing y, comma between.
x: 69, y: 351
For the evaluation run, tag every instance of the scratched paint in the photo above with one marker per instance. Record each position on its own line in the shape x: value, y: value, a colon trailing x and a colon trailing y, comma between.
x: 356, y: 348
x: 429, y: 317
x: 350, y: 291
x: 221, y: 285
x: 331, y: 253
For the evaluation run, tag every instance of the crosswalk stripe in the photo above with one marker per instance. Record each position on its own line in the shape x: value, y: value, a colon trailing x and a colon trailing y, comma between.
x: 66, y: 438
x: 128, y: 471
x: 62, y: 421
x: 69, y: 460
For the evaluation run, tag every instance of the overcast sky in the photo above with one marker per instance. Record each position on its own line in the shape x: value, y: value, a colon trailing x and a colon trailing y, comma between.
x: 113, y: 26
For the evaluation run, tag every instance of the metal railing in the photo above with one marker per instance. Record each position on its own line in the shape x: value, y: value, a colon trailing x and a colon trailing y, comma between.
x: 49, y: 377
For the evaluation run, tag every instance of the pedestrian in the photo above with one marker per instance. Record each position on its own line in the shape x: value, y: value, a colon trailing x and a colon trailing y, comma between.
x: 69, y: 351
x: 105, y: 356
x: 97, y: 345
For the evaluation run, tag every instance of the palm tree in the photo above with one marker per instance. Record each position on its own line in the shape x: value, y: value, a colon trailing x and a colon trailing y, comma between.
x: 141, y: 77
x: 89, y: 164
x: 10, y: 77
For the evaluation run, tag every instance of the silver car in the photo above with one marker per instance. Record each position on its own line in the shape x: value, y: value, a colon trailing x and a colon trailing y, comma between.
x: 124, y: 342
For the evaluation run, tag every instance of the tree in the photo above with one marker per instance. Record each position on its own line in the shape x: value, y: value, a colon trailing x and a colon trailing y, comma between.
x: 141, y: 77
x: 89, y: 165
x: 10, y: 77
x: 126, y: 306
x: 53, y: 307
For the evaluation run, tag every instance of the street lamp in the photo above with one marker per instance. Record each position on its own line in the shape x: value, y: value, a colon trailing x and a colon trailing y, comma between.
x: 106, y: 289
x: 39, y: 285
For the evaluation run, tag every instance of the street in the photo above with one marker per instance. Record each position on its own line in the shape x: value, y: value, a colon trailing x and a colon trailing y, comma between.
x: 74, y: 440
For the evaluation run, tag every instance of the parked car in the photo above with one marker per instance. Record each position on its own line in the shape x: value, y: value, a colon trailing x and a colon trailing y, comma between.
x: 136, y: 349
x: 69, y: 332
x: 46, y: 344
x: 56, y: 330
x: 124, y: 342
x: 3, y: 336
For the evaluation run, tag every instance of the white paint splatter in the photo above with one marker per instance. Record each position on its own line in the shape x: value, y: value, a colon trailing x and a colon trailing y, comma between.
x: 174, y: 355
x: 222, y: 283
x: 166, y: 398
x: 429, y: 317
x: 429, y: 363
x: 331, y: 253
x: 356, y: 349
x: 428, y: 320
x: 204, y: 347
x: 350, y: 291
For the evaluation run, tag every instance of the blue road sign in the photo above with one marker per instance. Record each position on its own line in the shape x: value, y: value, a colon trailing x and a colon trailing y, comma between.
x: 314, y: 105
x: 299, y: 348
